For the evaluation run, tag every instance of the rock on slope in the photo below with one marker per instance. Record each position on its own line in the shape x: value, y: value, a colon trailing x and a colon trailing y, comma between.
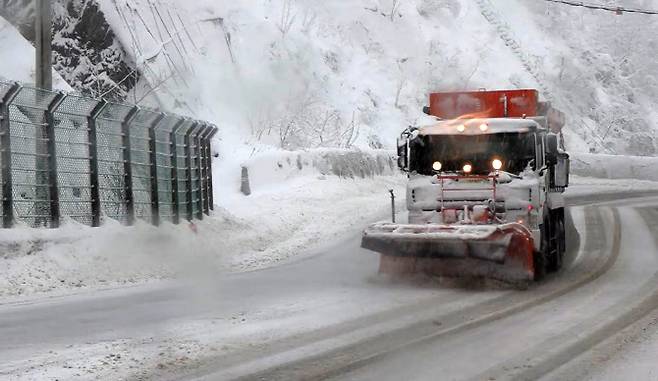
x: 86, y: 52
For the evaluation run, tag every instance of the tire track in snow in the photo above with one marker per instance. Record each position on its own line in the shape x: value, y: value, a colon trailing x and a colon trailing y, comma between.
x: 557, y: 351
x: 595, y: 361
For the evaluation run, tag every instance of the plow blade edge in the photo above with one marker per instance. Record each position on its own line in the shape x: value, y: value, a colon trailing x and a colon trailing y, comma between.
x: 502, y: 252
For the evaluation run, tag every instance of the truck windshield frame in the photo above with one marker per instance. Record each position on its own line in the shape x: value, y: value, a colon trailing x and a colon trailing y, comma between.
x: 516, y: 150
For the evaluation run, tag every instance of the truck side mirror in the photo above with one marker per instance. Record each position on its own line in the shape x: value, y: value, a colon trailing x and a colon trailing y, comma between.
x: 402, y: 163
x: 551, y: 149
x: 403, y: 160
x: 562, y: 169
x: 426, y: 110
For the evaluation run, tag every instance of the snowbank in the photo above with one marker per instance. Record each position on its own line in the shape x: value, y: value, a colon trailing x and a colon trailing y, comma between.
x: 586, y: 186
x: 614, y: 167
x: 278, y: 167
x: 270, y: 226
x: 77, y: 256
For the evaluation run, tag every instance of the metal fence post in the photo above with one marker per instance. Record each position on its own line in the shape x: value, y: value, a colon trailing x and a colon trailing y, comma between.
x: 203, y: 156
x: 5, y: 157
x: 174, y: 171
x: 195, y: 168
x: 188, y: 165
x: 211, y: 198
x: 52, y: 159
x: 93, y: 163
x: 127, y: 164
x: 199, y: 171
x: 153, y: 158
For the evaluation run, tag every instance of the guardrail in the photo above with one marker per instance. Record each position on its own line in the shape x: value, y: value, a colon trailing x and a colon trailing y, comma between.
x: 64, y: 155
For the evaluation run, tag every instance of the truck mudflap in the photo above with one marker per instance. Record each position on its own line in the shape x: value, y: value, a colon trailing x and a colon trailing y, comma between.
x: 502, y: 252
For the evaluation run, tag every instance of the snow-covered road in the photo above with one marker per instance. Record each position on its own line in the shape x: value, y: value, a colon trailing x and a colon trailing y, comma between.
x: 329, y: 315
x: 533, y: 343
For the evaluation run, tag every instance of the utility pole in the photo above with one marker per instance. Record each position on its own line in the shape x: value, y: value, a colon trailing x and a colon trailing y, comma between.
x: 43, y: 28
x: 44, y: 80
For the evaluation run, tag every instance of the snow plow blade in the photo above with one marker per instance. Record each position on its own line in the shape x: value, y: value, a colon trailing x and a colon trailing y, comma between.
x: 500, y: 252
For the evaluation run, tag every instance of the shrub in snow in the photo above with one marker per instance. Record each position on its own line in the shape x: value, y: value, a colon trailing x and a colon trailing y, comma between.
x: 430, y: 8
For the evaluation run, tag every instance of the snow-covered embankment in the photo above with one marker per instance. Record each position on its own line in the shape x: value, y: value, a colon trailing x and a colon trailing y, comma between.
x: 300, y: 201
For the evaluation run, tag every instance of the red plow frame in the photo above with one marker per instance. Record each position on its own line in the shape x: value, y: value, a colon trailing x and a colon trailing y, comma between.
x: 484, y: 249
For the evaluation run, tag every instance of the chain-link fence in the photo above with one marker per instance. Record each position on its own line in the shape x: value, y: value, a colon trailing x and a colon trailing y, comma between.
x: 66, y: 156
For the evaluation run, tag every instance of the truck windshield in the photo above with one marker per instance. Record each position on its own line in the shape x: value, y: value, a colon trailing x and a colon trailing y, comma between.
x: 516, y: 151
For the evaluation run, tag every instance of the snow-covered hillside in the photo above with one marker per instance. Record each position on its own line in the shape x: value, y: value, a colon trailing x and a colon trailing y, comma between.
x: 305, y: 73
x: 300, y: 73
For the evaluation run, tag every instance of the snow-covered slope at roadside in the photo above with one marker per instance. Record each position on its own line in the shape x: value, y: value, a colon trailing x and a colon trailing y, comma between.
x: 598, y: 66
x: 302, y: 73
x: 271, y: 226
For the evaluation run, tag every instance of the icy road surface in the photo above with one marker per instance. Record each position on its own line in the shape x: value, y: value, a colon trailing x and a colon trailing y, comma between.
x: 329, y: 316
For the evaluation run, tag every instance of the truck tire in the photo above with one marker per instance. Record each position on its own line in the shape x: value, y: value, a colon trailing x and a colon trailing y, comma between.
x: 540, y: 257
x: 561, y: 240
x: 540, y: 265
x: 556, y: 257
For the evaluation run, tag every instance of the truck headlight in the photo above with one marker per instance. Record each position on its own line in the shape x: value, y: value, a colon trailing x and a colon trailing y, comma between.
x: 437, y: 166
x: 497, y: 164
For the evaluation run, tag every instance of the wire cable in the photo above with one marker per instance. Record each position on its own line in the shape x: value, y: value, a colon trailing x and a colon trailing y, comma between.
x: 618, y: 10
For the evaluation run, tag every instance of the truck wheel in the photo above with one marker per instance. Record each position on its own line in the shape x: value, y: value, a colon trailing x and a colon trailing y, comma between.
x: 540, y: 265
x: 561, y: 241
x: 540, y: 257
x: 556, y: 257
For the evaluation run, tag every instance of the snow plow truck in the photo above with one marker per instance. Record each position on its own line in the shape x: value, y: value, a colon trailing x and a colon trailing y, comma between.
x: 485, y: 190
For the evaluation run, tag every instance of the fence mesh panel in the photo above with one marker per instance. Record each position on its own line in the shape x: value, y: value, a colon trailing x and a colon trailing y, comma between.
x: 165, y: 167
x: 205, y: 159
x: 183, y: 166
x: 72, y: 142
x: 68, y: 156
x: 30, y: 169
x: 195, y: 168
x: 140, y: 152
x: 111, y: 170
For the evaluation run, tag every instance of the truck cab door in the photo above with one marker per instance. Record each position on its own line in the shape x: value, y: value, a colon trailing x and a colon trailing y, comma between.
x: 558, y: 165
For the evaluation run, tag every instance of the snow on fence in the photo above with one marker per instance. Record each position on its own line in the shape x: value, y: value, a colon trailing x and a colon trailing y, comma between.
x: 279, y: 166
x: 64, y: 155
